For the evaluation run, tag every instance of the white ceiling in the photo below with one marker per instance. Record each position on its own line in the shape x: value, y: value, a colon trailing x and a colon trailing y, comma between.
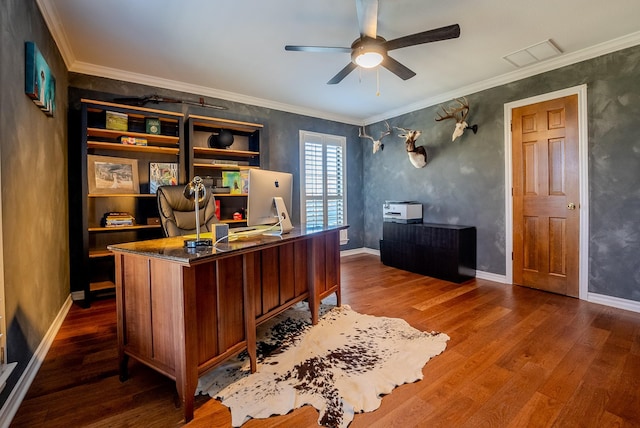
x: 234, y: 49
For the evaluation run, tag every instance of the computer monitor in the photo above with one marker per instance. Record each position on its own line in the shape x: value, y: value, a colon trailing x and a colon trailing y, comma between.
x: 265, y: 187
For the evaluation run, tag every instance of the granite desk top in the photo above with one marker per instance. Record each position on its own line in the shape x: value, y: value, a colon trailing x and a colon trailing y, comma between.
x: 173, y: 248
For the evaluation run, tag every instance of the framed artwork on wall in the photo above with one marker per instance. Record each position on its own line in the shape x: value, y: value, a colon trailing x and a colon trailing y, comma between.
x: 162, y: 174
x: 109, y: 175
x: 40, y: 84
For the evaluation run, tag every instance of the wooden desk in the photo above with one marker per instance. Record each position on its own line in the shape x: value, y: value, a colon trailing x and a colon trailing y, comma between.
x: 184, y: 312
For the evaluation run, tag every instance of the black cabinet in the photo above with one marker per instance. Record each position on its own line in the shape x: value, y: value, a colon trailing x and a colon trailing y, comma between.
x: 442, y: 251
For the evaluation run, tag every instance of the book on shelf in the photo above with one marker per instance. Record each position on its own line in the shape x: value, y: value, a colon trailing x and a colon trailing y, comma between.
x: 224, y: 162
x: 117, y: 219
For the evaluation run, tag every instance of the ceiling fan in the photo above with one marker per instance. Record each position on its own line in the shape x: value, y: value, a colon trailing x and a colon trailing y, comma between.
x: 370, y: 50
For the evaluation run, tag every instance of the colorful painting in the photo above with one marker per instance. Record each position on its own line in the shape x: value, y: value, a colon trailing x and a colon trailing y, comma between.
x: 162, y: 174
x: 231, y: 179
x: 40, y: 84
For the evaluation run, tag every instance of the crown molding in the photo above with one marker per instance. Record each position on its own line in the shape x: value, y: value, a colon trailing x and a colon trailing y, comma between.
x: 50, y: 16
x: 620, y: 43
x: 143, y: 79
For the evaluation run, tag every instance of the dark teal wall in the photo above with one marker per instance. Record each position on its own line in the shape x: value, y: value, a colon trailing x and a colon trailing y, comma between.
x: 33, y: 153
x: 464, y: 180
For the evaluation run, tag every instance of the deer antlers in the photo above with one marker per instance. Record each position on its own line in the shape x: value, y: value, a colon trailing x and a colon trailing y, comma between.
x: 377, y: 144
x: 459, y: 114
x: 452, y: 113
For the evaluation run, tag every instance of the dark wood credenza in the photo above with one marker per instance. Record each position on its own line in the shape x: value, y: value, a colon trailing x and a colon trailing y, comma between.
x: 184, y: 312
x: 438, y: 250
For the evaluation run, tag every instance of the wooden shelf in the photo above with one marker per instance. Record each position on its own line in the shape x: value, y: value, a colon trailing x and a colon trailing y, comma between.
x: 205, y: 151
x: 230, y: 221
x: 224, y: 167
x: 114, y: 134
x: 229, y: 195
x: 121, y: 195
x: 124, y: 228
x: 131, y: 148
x: 128, y: 107
x: 101, y: 286
x: 96, y: 254
x: 211, y: 122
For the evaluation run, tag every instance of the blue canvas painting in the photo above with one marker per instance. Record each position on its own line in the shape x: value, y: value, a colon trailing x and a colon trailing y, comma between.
x: 40, y: 84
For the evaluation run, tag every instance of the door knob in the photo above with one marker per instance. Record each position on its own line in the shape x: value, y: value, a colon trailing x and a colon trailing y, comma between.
x: 571, y: 206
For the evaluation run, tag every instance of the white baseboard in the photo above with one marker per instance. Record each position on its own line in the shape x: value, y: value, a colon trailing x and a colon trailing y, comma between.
x: 14, y: 400
x: 361, y: 250
x: 479, y: 274
x: 502, y: 279
x: 616, y: 302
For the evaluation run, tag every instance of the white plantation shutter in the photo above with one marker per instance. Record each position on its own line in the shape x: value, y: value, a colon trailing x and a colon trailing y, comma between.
x: 323, y: 184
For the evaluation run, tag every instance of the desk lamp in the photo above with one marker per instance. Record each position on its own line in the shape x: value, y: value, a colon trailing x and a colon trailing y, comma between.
x: 196, y: 191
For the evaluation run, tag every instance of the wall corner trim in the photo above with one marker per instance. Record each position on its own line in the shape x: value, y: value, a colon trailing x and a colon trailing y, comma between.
x: 18, y: 393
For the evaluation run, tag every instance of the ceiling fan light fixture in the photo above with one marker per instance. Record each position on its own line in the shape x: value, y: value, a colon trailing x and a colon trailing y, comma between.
x: 367, y: 53
x: 368, y: 59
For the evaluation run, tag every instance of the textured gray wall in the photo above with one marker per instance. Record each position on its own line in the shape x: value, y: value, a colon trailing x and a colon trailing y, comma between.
x: 464, y: 180
x: 33, y: 148
x: 279, y: 145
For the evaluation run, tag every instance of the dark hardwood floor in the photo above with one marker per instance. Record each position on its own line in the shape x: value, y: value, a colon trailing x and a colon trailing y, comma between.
x: 517, y: 357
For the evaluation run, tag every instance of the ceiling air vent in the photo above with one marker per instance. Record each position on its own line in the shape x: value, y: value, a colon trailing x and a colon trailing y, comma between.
x: 532, y: 54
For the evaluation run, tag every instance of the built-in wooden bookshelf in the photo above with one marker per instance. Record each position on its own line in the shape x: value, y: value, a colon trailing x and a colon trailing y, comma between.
x: 92, y: 265
x: 211, y: 162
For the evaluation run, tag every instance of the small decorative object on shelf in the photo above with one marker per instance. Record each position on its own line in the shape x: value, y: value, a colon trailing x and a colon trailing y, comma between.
x: 152, y: 125
x: 221, y: 140
x: 133, y: 141
x: 153, y: 220
x: 116, y: 121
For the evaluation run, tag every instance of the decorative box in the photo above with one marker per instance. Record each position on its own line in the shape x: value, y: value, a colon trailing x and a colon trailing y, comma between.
x: 152, y: 125
x: 132, y: 141
x: 116, y: 121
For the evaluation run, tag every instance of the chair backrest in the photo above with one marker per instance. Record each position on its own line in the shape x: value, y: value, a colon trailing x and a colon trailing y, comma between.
x: 177, y: 213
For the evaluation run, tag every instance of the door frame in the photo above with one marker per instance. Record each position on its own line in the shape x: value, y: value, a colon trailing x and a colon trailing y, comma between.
x: 583, y: 177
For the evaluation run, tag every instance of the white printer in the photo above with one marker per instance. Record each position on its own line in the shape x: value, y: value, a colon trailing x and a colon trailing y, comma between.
x: 402, y: 211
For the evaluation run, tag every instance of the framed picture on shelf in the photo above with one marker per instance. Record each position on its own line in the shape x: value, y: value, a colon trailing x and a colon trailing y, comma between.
x: 109, y: 175
x: 231, y: 179
x: 162, y: 174
x: 244, y: 181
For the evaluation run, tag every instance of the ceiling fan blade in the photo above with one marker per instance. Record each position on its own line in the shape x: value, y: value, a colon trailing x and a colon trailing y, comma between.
x: 367, y: 17
x: 443, y: 33
x: 325, y: 49
x: 342, y: 74
x: 396, y: 68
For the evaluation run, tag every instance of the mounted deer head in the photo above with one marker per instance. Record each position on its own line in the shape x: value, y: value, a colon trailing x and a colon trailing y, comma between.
x: 417, y: 155
x: 459, y: 114
x: 377, y: 144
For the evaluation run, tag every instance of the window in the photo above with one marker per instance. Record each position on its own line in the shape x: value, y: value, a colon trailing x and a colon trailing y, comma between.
x: 323, y: 185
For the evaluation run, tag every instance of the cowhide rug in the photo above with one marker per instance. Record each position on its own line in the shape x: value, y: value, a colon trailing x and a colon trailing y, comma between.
x: 341, y: 366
